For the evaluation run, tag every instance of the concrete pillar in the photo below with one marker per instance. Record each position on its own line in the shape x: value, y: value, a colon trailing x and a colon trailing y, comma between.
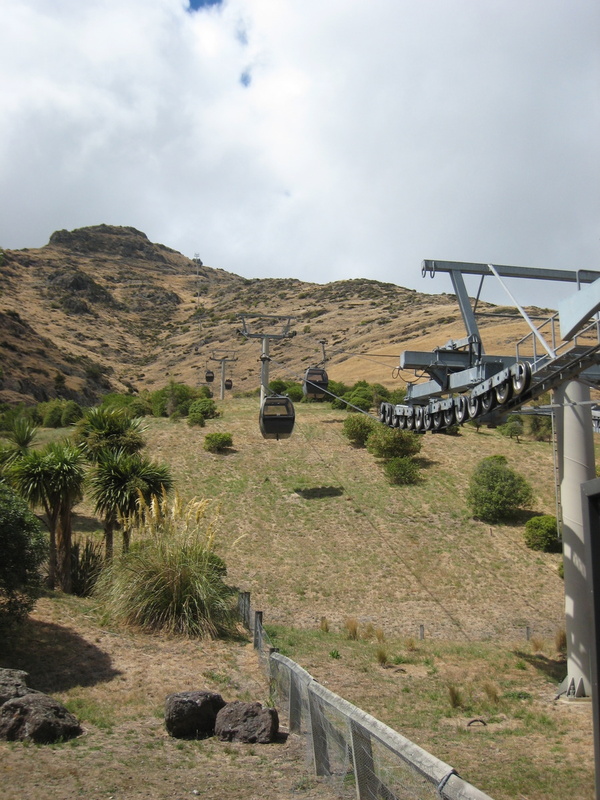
x: 576, y: 465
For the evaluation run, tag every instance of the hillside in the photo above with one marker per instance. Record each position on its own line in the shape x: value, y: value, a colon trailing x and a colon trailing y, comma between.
x: 103, y: 307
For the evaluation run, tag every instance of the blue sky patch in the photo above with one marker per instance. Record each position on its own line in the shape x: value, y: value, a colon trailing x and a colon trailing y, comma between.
x: 246, y: 78
x: 196, y: 5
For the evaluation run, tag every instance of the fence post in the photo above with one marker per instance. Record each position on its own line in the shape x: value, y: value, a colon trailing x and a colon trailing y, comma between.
x: 244, y: 608
x: 258, y: 618
x: 364, y: 768
x: 318, y: 735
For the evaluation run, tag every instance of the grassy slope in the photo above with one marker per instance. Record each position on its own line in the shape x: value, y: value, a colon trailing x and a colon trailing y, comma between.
x: 310, y: 526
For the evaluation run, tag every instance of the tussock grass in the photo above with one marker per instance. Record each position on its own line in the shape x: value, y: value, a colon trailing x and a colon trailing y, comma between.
x: 351, y: 626
x: 172, y: 580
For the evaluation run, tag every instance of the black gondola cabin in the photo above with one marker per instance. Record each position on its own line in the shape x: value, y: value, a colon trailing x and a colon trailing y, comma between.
x: 315, y: 383
x: 277, y: 417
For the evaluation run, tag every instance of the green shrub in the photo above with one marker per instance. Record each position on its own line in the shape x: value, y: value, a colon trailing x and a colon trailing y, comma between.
x: 294, y: 391
x: 52, y: 413
x: 386, y: 442
x: 140, y: 407
x: 195, y: 417
x: 541, y: 533
x: 277, y: 386
x: 71, y: 412
x: 23, y: 547
x: 357, y: 429
x: 540, y: 428
x: 172, y: 581
x: 217, y: 442
x: 402, y: 471
x: 496, y: 492
x: 206, y: 407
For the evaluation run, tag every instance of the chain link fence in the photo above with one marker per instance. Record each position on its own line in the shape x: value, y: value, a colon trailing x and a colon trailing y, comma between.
x: 360, y: 755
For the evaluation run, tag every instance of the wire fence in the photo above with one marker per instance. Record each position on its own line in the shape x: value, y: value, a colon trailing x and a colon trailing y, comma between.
x: 360, y: 755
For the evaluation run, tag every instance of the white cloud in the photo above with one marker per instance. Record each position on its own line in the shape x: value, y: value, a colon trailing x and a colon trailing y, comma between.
x: 368, y: 136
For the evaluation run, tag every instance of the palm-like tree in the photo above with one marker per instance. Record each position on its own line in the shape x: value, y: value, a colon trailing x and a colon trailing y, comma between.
x: 117, y: 481
x: 21, y: 435
x: 101, y: 429
x: 52, y: 479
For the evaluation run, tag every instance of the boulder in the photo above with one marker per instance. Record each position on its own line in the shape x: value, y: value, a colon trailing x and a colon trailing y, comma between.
x: 192, y: 715
x: 35, y: 717
x: 13, y: 683
x: 247, y: 722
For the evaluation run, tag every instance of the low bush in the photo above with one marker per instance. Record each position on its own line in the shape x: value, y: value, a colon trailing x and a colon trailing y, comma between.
x: 217, y: 442
x: 52, y: 412
x: 541, y: 533
x: 357, y: 428
x: 206, y: 407
x: 386, y: 442
x: 402, y: 471
x: 195, y: 417
x: 71, y: 412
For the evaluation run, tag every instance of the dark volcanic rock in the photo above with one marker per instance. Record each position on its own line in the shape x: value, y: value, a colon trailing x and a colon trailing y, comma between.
x: 247, y: 722
x: 111, y: 239
x: 13, y: 683
x: 192, y: 715
x: 35, y: 717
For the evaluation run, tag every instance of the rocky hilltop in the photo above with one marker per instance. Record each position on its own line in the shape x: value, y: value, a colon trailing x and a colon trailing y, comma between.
x: 102, y: 308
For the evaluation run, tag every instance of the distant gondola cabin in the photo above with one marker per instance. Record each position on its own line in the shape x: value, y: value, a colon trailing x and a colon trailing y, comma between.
x: 209, y: 376
x: 315, y: 383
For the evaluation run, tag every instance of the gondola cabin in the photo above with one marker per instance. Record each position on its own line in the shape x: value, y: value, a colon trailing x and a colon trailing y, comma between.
x: 277, y: 417
x: 228, y: 383
x: 209, y: 376
x: 315, y: 383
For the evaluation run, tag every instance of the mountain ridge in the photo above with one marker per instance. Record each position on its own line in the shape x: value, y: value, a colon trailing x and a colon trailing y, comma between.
x: 103, y: 308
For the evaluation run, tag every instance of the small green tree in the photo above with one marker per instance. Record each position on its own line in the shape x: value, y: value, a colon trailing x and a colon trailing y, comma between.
x: 496, y: 492
x: 23, y: 548
x: 118, y: 482
x: 385, y: 442
x: 357, y: 428
x: 113, y: 429
x: 541, y: 533
x: 512, y: 428
x: 52, y: 478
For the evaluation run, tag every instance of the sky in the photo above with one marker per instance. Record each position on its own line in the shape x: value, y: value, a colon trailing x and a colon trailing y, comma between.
x: 314, y: 139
